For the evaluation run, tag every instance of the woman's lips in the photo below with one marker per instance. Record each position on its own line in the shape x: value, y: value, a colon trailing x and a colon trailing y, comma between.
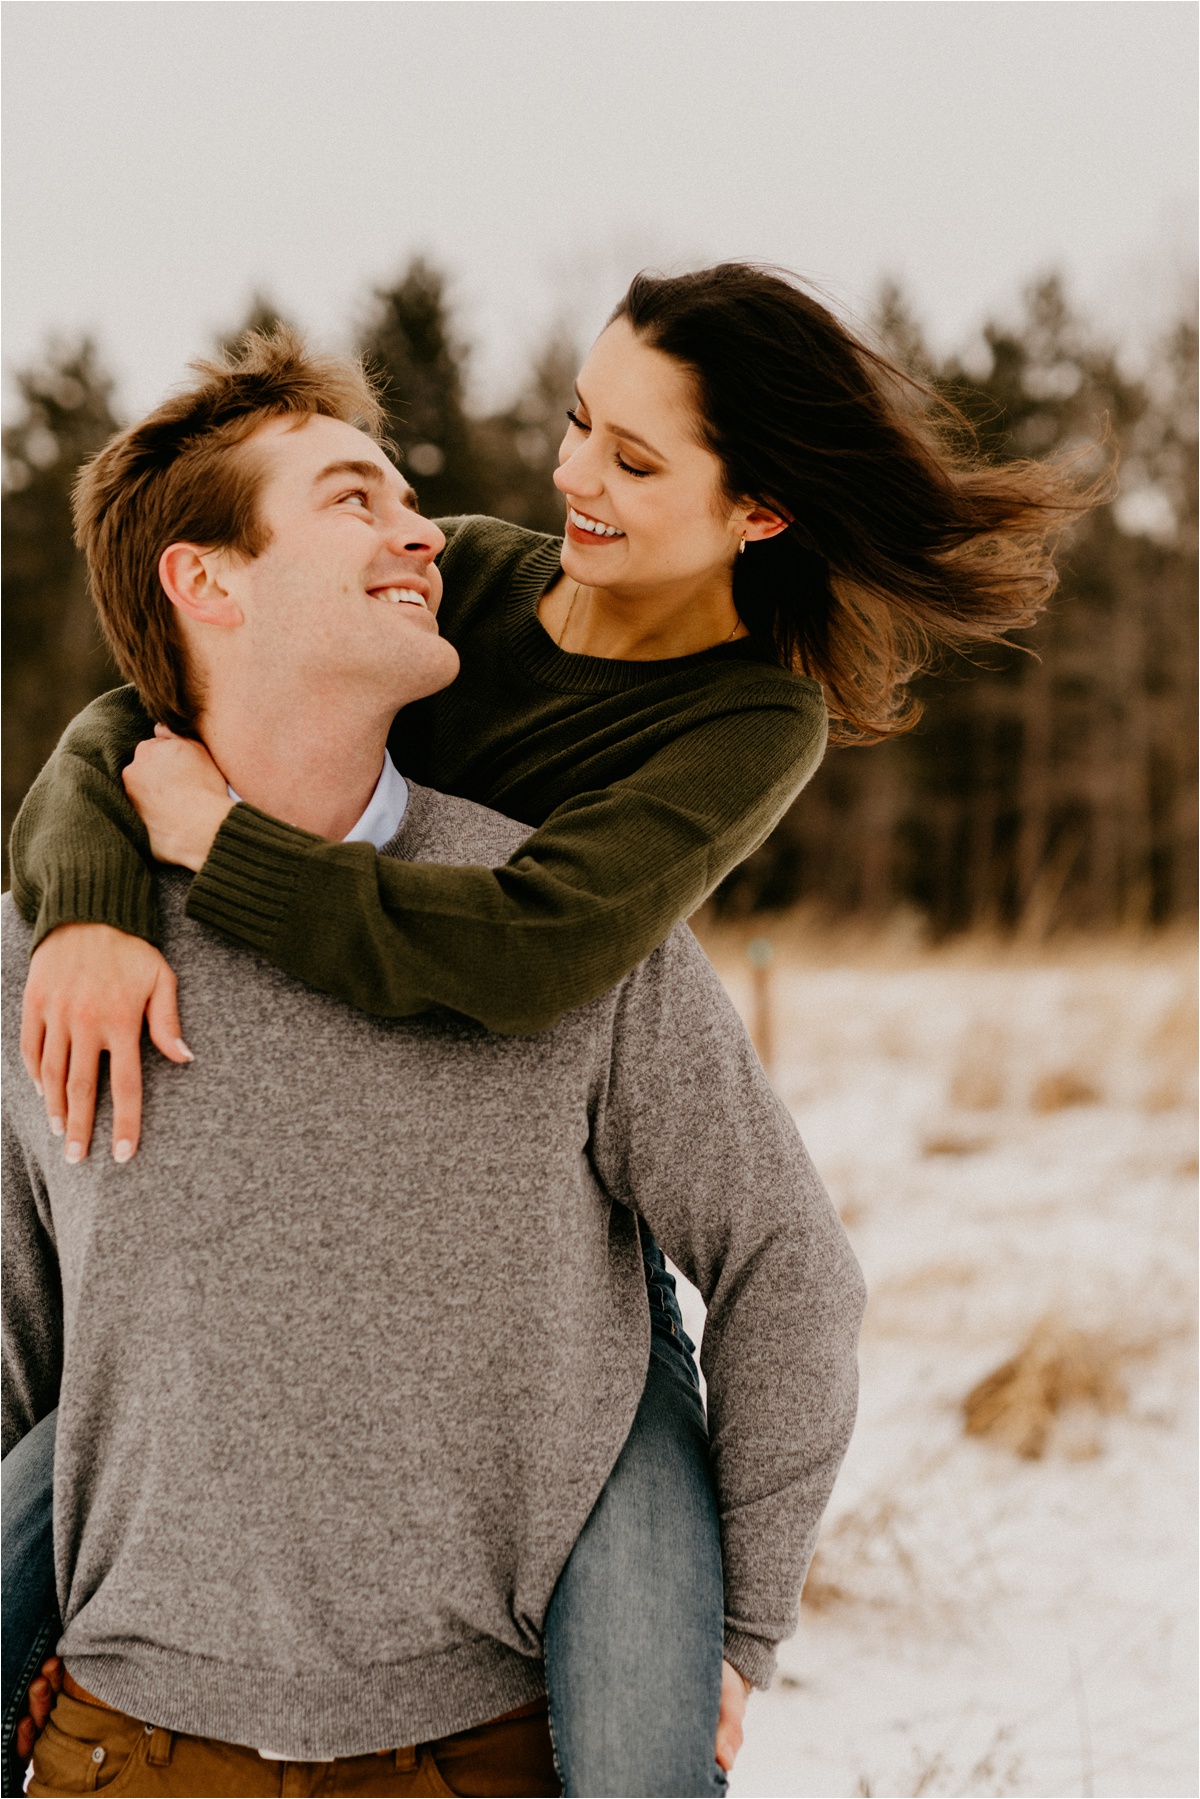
x: 583, y: 528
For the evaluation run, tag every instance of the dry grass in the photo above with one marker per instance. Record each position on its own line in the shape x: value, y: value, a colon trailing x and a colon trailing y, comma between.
x: 924, y: 1305
x: 1055, y: 1092
x: 1174, y: 1040
x: 990, y: 1133
x: 1057, y: 1366
x: 861, y: 1546
x: 954, y: 1143
x: 979, y: 1082
x: 821, y: 1591
x: 813, y: 937
x: 997, y: 1771
x: 1170, y: 1054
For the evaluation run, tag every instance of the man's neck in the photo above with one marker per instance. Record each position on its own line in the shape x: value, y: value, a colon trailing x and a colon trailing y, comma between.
x: 314, y: 763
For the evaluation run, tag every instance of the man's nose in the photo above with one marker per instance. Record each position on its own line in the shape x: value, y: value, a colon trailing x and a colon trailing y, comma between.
x: 414, y: 535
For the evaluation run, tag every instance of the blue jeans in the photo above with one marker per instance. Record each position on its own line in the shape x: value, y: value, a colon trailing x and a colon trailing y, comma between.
x: 634, y: 1630
x: 31, y: 1622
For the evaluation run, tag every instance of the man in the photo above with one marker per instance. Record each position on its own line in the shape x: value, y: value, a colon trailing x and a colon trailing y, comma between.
x: 344, y: 1358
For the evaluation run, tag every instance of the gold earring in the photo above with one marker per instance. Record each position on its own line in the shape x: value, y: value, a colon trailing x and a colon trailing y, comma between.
x: 742, y: 545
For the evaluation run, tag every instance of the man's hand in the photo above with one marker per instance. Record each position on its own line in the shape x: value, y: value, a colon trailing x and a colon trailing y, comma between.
x: 39, y: 1703
x: 89, y: 988
x: 735, y: 1690
x: 181, y: 794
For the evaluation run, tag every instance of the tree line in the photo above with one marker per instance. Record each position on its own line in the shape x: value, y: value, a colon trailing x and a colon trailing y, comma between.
x: 1048, y: 785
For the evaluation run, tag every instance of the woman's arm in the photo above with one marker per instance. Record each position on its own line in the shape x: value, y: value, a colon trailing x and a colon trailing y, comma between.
x: 79, y: 853
x: 82, y: 876
x: 586, y: 898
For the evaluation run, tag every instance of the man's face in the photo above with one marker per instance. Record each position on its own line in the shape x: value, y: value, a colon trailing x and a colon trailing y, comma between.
x: 346, y: 591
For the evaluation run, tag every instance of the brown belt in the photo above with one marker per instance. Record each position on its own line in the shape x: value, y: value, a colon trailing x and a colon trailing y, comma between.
x: 72, y: 1686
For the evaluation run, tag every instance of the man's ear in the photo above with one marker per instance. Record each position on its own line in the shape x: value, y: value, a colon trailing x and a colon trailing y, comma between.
x: 760, y: 523
x: 191, y: 580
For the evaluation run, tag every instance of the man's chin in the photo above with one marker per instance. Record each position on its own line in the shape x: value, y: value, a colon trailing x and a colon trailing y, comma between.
x: 428, y: 672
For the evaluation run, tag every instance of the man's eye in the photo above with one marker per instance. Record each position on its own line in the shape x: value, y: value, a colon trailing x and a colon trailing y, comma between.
x: 577, y: 421
x: 356, y: 493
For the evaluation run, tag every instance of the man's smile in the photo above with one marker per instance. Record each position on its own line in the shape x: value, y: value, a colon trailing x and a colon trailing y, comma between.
x: 399, y: 596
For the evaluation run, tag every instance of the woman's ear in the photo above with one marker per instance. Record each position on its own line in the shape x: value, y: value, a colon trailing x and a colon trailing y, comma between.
x: 191, y: 580
x: 760, y: 523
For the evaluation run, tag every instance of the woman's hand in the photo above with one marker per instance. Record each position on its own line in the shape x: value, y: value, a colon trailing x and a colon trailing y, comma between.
x: 39, y: 1703
x: 89, y: 988
x: 735, y: 1690
x: 181, y: 794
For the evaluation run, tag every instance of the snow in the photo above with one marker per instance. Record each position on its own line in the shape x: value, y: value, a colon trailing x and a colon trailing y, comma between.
x: 1009, y: 1137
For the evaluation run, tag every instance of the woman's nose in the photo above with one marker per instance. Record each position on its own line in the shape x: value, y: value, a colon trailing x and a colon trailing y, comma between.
x: 578, y: 473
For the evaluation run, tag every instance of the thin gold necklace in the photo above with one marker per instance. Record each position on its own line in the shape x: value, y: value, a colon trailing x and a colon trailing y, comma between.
x: 562, y: 642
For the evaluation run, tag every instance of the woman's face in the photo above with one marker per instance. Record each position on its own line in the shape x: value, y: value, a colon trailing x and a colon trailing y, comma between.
x: 632, y: 464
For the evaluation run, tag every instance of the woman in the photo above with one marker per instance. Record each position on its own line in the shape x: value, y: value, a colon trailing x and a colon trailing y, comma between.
x: 762, y: 524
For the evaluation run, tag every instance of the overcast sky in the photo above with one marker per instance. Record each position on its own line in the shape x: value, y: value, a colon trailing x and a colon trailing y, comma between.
x: 163, y: 160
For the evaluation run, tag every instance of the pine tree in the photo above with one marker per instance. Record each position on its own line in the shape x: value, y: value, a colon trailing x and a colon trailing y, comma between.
x: 262, y: 314
x: 409, y: 341
x: 518, y: 448
x: 55, y: 659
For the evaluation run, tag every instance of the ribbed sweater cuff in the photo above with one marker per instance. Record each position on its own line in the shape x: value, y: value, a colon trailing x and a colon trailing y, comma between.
x: 96, y: 890
x: 252, y: 871
x: 753, y: 1659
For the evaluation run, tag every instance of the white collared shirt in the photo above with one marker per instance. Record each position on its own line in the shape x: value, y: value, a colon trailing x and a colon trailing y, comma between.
x: 385, y: 808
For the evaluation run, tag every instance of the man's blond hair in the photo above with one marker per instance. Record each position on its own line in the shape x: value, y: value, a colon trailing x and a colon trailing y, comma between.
x: 181, y: 475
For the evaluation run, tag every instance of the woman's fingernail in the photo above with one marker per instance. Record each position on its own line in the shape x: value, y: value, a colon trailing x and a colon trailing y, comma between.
x: 123, y: 1150
x: 57, y: 1127
x: 183, y: 1049
x: 39, y: 1089
x: 74, y: 1152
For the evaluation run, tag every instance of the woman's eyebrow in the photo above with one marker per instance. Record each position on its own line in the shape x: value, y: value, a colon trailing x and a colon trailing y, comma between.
x: 621, y: 431
x: 632, y: 436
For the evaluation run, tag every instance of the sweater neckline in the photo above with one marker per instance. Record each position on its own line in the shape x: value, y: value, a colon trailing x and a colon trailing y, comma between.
x: 564, y: 669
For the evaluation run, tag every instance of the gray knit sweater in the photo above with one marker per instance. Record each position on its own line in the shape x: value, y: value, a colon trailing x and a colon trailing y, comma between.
x: 345, y: 1355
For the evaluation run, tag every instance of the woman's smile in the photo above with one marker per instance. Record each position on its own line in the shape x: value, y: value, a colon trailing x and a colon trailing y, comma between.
x: 582, y: 528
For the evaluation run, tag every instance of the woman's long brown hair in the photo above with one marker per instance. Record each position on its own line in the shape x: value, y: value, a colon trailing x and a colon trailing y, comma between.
x: 901, y: 540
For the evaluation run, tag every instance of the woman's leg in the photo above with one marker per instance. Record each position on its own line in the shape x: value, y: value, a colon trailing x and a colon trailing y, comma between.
x: 634, y: 1633
x: 31, y: 1622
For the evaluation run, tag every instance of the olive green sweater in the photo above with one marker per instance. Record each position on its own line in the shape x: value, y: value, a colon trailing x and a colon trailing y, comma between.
x: 648, y: 782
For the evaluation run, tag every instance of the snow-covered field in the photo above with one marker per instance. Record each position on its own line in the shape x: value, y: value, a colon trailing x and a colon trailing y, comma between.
x: 1010, y: 1139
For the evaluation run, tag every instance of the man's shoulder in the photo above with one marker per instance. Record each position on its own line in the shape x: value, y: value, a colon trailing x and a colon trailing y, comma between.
x: 440, y: 827
x: 680, y: 969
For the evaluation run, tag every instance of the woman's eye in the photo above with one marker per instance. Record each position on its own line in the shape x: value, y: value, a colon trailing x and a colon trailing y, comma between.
x: 630, y: 470
x: 577, y: 421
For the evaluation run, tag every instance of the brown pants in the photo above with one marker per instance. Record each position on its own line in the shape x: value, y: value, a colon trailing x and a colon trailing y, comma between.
x: 90, y: 1748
